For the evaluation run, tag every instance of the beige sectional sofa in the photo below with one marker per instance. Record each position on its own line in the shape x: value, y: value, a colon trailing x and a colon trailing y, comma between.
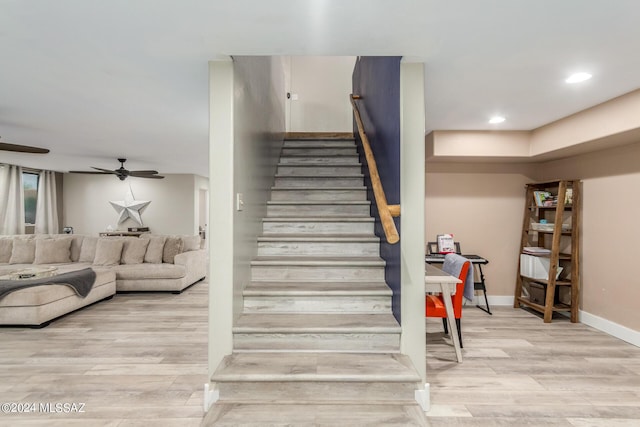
x: 148, y: 263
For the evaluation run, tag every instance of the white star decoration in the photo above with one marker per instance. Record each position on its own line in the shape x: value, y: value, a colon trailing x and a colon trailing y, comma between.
x: 129, y: 208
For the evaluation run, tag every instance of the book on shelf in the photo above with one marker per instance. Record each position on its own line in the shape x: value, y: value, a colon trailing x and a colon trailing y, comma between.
x: 446, y: 244
x: 542, y: 197
x: 536, y: 250
x: 568, y: 196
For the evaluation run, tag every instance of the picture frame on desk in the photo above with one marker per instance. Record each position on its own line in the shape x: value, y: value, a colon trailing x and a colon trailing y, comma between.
x: 446, y: 245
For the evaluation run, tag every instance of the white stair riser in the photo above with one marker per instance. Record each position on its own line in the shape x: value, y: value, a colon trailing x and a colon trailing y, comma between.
x: 318, y: 304
x: 275, y: 273
x: 318, y: 210
x: 351, y: 170
x: 318, y: 195
x: 317, y: 227
x: 319, y: 143
x: 334, y: 342
x: 306, y: 391
x: 350, y: 151
x: 319, y: 160
x: 317, y: 182
x: 318, y: 248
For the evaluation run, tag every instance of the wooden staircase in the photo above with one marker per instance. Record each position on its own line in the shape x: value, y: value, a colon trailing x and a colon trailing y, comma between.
x: 317, y: 328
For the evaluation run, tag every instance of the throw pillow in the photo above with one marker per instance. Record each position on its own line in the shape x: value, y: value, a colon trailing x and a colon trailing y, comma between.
x: 134, y: 250
x: 172, y: 247
x: 154, y: 249
x: 108, y: 252
x: 88, y: 249
x: 190, y: 243
x: 6, y: 246
x: 23, y: 252
x: 53, y: 251
x: 76, y: 246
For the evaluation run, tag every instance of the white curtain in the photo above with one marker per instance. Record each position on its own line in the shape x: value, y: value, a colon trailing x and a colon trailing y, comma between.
x: 47, y: 206
x: 11, y: 200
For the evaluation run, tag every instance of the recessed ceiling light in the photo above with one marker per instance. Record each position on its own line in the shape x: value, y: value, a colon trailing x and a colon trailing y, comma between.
x: 578, y: 77
x: 496, y: 119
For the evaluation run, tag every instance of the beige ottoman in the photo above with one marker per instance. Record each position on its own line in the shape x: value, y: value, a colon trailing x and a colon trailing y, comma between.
x: 37, y: 306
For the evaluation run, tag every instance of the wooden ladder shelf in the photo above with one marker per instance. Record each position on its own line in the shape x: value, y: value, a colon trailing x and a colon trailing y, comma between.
x: 548, y: 280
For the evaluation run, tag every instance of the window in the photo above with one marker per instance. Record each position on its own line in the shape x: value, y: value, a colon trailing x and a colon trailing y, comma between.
x: 30, y: 187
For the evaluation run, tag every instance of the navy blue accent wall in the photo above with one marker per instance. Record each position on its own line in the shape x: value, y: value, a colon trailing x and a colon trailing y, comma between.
x: 377, y: 80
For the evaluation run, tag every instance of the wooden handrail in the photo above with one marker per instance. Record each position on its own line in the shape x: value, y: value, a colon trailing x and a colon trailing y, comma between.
x: 386, y: 211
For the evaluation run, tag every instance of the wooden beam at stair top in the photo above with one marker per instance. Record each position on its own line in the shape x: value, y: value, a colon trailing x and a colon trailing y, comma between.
x: 318, y: 135
x: 394, y: 210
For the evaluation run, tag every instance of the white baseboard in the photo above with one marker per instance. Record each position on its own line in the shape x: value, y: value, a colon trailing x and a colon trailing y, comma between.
x: 211, y: 396
x: 423, y: 397
x: 614, y: 329
x: 607, y: 326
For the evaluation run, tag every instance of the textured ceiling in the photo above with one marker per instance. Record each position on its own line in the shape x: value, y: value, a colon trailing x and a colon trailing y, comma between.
x: 94, y: 80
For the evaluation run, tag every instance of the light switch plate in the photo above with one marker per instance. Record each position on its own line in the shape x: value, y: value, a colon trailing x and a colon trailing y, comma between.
x: 239, y: 202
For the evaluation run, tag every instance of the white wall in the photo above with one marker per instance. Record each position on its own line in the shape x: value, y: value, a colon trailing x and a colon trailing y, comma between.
x: 247, y: 126
x: 322, y: 85
x: 173, y: 208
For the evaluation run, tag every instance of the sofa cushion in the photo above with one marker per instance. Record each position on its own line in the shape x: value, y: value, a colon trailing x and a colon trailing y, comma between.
x: 88, y: 249
x: 149, y: 271
x: 23, y: 252
x: 190, y: 243
x: 155, y: 249
x: 172, y: 247
x: 6, y: 246
x: 53, y: 251
x: 133, y: 250
x: 108, y: 252
x: 76, y: 246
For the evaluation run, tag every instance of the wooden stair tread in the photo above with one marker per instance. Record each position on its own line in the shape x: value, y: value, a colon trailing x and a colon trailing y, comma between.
x: 299, y: 288
x: 318, y: 367
x: 383, y: 323
x: 356, y: 238
x: 319, y: 260
x: 323, y: 189
x: 318, y: 202
x: 318, y: 219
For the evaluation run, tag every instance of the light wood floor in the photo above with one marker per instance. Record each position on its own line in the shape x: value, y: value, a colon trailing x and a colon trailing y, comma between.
x: 140, y: 360
x: 519, y: 371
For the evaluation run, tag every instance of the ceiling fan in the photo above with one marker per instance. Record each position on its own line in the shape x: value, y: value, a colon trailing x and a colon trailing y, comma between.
x: 123, y: 173
x: 22, y: 148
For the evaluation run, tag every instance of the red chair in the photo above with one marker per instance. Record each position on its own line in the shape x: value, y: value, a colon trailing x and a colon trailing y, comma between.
x: 435, y: 304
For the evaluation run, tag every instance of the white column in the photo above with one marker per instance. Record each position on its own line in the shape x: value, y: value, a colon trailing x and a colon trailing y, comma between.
x: 412, y: 214
x: 221, y: 210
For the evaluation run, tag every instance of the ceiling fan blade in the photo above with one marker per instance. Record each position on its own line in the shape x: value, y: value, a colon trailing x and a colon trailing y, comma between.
x: 22, y: 148
x: 148, y: 176
x: 104, y: 170
x: 143, y: 172
x: 92, y: 172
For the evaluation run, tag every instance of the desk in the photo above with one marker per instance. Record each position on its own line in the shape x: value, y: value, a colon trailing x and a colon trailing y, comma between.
x: 476, y: 261
x: 436, y: 280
